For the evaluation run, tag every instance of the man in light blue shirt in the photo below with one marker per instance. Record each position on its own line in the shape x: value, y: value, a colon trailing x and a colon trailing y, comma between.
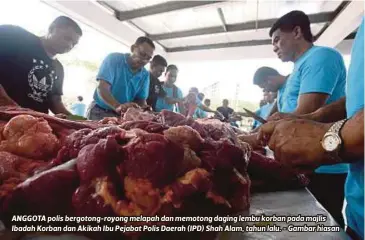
x: 79, y: 107
x: 200, y: 113
x: 270, y: 80
x: 318, y: 78
x: 123, y: 81
x: 174, y: 95
x: 302, y: 144
x: 265, y: 108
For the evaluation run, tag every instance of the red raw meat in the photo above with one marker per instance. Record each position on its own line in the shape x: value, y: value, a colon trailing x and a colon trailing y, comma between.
x: 135, y: 114
x: 153, y: 157
x: 30, y: 137
x: 99, y: 160
x: 47, y: 193
x: 267, y: 174
x: 185, y: 135
x: 151, y: 127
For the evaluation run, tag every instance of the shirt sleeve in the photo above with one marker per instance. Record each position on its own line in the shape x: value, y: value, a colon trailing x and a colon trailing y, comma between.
x: 322, y: 72
x: 179, y: 94
x: 143, y: 92
x: 106, y: 71
x: 198, y: 102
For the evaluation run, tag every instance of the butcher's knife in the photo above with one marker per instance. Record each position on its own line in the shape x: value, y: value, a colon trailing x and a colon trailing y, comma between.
x: 255, y: 116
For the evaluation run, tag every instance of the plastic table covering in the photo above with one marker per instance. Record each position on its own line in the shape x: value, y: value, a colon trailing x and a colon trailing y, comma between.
x: 282, y: 204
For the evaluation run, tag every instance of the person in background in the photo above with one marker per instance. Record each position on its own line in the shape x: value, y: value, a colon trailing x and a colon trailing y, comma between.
x: 174, y: 95
x: 331, y: 134
x: 225, y: 110
x: 318, y: 78
x: 265, y: 110
x: 157, y: 68
x: 79, y: 107
x: 30, y: 74
x: 200, y: 113
x: 270, y: 80
x: 199, y: 105
x: 123, y: 81
x: 207, y: 102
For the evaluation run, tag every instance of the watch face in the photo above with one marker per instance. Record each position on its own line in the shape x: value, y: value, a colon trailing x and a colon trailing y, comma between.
x: 331, y: 142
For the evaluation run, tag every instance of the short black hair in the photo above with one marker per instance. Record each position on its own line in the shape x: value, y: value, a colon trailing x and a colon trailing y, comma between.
x: 201, y: 96
x: 171, y: 67
x: 262, y: 73
x: 80, y: 98
x: 143, y: 39
x: 159, y: 60
x: 225, y: 100
x: 207, y: 100
x: 291, y: 20
x: 63, y: 21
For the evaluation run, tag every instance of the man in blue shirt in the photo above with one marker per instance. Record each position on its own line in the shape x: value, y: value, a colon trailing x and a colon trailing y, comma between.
x: 265, y: 108
x: 271, y: 80
x: 174, y: 94
x: 304, y: 144
x: 79, y: 107
x: 318, y: 78
x: 123, y: 81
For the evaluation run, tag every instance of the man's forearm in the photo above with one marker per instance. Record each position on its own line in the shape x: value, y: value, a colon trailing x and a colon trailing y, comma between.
x: 108, y: 98
x: 57, y: 106
x: 353, y: 138
x: 141, y: 102
x: 171, y: 101
x: 206, y: 109
x: 5, y: 100
x: 330, y: 113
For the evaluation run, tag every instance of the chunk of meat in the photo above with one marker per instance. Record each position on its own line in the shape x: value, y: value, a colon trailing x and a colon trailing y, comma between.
x: 14, y: 166
x: 153, y: 157
x: 83, y: 137
x: 185, y: 135
x: 30, y: 137
x: 222, y: 154
x: 135, y: 114
x: 14, y: 170
x: 110, y: 120
x: 98, y: 160
x: 195, y: 181
x: 173, y: 119
x: 218, y: 130
x: 151, y: 127
x: 191, y: 160
x: 267, y: 174
x: 48, y: 193
x: 142, y: 193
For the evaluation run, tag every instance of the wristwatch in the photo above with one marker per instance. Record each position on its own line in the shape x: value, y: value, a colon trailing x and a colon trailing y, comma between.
x: 332, y: 141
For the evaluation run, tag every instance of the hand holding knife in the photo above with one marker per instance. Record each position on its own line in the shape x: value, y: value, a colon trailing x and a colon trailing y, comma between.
x: 255, y: 116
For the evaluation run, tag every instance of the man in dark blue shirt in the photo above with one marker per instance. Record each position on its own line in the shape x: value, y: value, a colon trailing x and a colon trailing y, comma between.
x: 29, y: 73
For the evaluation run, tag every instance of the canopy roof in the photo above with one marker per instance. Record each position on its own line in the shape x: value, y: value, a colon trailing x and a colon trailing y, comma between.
x: 205, y: 30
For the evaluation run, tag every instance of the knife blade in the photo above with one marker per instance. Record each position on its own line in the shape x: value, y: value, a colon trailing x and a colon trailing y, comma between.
x: 255, y: 116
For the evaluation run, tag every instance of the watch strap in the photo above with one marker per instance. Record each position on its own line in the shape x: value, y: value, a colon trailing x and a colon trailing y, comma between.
x: 336, y: 127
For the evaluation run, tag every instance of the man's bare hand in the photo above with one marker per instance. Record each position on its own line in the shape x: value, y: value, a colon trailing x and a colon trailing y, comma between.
x: 124, y: 107
x: 279, y: 116
x: 296, y: 143
x: 251, y: 139
x: 61, y: 115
